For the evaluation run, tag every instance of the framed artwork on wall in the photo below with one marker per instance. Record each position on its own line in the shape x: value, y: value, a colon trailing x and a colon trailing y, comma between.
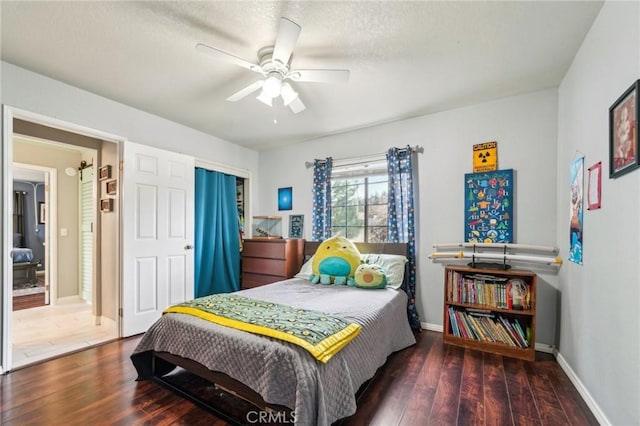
x: 623, y: 132
x: 106, y: 205
x: 285, y: 201
x: 594, y: 186
x: 112, y: 187
x: 296, y: 226
x: 42, y: 212
x: 104, y: 172
x: 488, y: 207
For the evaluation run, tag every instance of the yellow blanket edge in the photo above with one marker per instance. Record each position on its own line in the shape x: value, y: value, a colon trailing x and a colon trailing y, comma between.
x: 323, y: 351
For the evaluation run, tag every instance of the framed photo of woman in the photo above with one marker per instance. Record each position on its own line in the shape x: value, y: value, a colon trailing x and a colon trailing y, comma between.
x: 623, y: 132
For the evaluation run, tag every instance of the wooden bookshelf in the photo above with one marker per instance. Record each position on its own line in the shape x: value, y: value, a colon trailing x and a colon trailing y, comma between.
x: 487, y: 310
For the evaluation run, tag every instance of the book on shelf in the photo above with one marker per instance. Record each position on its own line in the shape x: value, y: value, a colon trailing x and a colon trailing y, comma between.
x: 486, y: 326
x: 454, y: 323
x: 489, y: 290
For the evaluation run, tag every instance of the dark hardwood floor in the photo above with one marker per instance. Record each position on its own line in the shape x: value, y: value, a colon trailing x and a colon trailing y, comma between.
x: 428, y: 384
x: 28, y: 301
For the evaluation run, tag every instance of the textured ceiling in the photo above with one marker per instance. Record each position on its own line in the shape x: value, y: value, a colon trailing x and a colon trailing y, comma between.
x: 406, y: 58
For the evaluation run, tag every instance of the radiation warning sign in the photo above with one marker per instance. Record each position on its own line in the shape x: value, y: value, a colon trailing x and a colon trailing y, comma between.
x: 485, y: 157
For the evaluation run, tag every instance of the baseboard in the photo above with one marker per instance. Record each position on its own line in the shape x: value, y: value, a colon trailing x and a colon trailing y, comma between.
x: 582, y: 390
x: 69, y: 299
x: 431, y: 327
x: 543, y: 347
x: 106, y: 322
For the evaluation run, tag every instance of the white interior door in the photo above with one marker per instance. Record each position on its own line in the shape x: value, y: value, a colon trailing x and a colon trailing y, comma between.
x: 87, y: 207
x: 157, y: 234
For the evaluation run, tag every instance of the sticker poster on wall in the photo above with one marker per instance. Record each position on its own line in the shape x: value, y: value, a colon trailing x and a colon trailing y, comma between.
x: 488, y: 207
x: 485, y: 157
x: 576, y: 174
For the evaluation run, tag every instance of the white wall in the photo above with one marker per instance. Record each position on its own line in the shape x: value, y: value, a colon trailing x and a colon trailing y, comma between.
x: 35, y: 93
x: 600, y: 309
x: 525, y: 128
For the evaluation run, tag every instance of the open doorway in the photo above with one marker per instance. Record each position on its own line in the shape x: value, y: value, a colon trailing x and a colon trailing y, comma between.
x: 76, y: 314
x: 31, y: 286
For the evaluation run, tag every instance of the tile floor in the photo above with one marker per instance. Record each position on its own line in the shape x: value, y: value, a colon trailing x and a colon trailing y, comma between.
x: 48, y: 331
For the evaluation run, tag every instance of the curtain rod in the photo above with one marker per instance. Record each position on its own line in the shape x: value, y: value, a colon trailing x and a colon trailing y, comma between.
x: 417, y: 149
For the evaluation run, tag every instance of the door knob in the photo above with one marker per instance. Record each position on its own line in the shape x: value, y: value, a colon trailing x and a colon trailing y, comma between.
x: 188, y: 247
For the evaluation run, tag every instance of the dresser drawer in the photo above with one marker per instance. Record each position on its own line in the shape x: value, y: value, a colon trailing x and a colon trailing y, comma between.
x: 260, y: 265
x: 267, y: 249
x: 267, y: 261
x: 250, y: 280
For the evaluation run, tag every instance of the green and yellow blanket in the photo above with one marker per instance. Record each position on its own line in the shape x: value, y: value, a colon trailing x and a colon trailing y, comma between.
x: 321, y: 334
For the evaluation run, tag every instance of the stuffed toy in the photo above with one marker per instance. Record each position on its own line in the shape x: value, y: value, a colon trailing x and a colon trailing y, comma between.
x: 335, y: 262
x: 370, y: 276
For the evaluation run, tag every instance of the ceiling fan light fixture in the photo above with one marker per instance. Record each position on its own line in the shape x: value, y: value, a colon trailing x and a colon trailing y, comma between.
x: 288, y: 94
x: 264, y: 97
x: 272, y: 85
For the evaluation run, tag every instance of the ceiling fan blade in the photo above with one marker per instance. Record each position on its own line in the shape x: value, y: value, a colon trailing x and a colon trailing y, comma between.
x: 320, y: 76
x: 221, y: 54
x: 285, y: 42
x: 246, y: 91
x: 296, y: 105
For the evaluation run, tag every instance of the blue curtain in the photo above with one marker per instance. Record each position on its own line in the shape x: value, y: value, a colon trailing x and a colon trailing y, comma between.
x: 217, y: 234
x: 321, y: 214
x: 401, y: 218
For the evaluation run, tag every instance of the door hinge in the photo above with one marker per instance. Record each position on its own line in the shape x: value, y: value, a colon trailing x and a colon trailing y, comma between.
x: 120, y: 312
x: 121, y: 164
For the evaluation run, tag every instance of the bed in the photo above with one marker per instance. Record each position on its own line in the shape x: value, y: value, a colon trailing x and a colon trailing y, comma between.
x: 24, y: 265
x: 279, y: 376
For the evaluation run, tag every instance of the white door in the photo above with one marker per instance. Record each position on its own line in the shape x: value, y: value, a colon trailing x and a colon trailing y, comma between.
x: 87, y: 207
x: 157, y: 234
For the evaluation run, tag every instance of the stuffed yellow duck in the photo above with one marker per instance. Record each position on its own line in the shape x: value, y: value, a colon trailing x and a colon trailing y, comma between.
x: 335, y: 262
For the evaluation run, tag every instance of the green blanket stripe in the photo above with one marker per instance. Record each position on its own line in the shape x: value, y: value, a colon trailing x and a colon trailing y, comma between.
x: 321, y: 334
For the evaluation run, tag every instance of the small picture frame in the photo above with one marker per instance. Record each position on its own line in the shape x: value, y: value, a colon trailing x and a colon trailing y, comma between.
x: 106, y: 205
x: 623, y: 132
x: 296, y: 226
x: 42, y: 213
x: 285, y: 198
x: 594, y: 186
x: 112, y: 187
x: 104, y: 172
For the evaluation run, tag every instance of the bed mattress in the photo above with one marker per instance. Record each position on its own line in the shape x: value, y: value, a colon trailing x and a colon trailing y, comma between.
x: 22, y: 255
x: 283, y: 373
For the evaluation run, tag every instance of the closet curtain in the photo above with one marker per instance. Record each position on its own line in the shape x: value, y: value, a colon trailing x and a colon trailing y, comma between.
x: 321, y: 214
x: 217, y: 234
x: 401, y: 218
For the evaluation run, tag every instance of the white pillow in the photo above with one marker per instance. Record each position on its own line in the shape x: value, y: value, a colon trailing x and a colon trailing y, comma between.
x: 393, y: 265
x: 306, y: 270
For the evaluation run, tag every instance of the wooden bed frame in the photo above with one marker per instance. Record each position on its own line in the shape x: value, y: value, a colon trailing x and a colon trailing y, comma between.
x: 162, y: 361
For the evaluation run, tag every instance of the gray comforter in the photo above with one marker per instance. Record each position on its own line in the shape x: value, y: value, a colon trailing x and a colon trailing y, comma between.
x: 283, y: 373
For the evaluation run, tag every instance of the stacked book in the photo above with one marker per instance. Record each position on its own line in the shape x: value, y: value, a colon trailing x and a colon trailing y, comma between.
x: 488, y: 327
x: 478, y: 289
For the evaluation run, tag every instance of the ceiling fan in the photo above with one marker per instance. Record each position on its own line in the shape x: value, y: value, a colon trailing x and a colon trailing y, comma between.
x: 275, y: 66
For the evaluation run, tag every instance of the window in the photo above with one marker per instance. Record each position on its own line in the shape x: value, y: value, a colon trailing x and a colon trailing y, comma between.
x: 359, y: 201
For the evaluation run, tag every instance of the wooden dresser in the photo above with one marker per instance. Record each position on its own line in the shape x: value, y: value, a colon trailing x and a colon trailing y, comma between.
x: 265, y: 261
